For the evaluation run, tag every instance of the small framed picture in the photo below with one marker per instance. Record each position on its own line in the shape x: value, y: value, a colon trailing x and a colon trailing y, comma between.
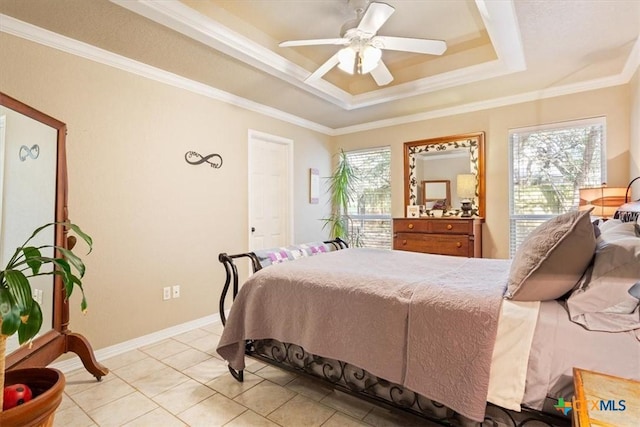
x: 314, y: 186
x: 413, y: 211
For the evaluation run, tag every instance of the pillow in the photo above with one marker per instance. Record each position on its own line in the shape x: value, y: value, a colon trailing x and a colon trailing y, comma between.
x: 614, y: 229
x: 608, y: 300
x: 629, y: 212
x: 552, y: 258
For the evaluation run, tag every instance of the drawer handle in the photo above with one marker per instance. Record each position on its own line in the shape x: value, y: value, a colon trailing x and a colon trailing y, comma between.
x: 458, y: 245
x: 404, y: 242
x: 410, y: 226
x: 449, y: 226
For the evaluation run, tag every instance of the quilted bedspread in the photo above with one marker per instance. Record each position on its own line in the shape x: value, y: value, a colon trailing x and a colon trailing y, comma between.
x: 427, y: 322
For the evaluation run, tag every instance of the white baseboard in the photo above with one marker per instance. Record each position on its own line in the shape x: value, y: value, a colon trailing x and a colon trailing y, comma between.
x: 114, y: 350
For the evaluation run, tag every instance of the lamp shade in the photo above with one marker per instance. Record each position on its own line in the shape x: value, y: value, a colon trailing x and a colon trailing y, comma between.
x: 359, y: 59
x: 347, y: 59
x: 604, y: 200
x: 370, y: 57
x: 466, y: 186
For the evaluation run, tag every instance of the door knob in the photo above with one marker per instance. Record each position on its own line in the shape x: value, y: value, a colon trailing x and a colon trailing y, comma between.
x: 253, y: 229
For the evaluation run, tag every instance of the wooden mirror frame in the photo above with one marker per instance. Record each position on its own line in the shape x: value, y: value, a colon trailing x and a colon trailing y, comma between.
x: 59, y: 339
x: 474, y: 142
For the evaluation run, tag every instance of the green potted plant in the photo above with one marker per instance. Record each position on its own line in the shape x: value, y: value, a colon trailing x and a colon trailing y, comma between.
x: 21, y: 314
x: 342, y: 191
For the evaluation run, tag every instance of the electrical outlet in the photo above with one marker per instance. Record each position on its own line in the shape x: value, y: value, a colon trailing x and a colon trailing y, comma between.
x: 176, y: 291
x: 166, y: 293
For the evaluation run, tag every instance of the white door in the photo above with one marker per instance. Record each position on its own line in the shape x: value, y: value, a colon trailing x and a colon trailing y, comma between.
x: 270, y: 191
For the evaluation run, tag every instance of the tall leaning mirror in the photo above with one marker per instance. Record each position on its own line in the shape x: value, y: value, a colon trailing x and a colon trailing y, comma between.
x: 33, y: 192
x: 444, y: 165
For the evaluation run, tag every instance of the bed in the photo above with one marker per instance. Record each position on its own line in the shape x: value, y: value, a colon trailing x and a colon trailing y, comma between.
x: 456, y: 340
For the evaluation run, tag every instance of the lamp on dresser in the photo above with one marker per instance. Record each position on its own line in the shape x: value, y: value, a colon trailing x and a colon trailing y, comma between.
x: 466, y: 190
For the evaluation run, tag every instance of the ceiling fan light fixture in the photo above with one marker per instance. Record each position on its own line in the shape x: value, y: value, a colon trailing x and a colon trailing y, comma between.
x: 347, y: 59
x: 370, y: 57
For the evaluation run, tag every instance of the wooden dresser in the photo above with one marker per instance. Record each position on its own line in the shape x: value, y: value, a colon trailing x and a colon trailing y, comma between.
x: 444, y: 236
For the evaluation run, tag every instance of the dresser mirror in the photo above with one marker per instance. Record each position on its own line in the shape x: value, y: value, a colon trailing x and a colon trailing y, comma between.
x: 33, y: 192
x: 445, y: 159
x: 436, y: 194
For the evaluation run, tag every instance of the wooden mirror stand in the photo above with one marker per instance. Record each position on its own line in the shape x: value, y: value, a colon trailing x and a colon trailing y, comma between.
x: 49, y: 345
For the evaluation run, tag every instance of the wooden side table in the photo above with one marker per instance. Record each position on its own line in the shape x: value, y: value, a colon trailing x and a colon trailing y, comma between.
x: 605, y: 400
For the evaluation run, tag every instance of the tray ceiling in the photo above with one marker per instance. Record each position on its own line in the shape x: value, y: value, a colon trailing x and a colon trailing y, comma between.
x: 499, y: 52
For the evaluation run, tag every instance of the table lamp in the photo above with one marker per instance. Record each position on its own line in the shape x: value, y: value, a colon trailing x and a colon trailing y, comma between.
x: 604, y: 200
x: 466, y: 190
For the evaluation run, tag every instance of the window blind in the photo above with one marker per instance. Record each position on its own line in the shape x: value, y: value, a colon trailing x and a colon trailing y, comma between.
x: 370, y: 208
x: 548, y: 165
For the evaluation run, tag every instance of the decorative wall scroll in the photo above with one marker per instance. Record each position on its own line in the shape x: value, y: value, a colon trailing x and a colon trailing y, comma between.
x: 32, y: 152
x: 193, y: 158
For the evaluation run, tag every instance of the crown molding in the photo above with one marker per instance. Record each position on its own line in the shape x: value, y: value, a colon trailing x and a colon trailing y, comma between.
x: 44, y: 37
x: 48, y: 38
x: 499, y: 19
x: 488, y: 104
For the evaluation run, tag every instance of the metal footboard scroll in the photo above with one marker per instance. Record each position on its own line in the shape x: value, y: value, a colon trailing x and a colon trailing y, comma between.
x: 258, y: 262
x: 260, y: 259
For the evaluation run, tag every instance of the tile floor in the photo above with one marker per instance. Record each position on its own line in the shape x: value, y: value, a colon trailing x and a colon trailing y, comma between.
x: 181, y: 382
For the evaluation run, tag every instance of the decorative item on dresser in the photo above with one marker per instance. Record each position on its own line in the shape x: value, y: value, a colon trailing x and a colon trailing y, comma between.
x: 444, y: 236
x: 466, y: 189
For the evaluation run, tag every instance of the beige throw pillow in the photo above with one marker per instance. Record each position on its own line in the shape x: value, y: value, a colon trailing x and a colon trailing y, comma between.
x: 552, y: 258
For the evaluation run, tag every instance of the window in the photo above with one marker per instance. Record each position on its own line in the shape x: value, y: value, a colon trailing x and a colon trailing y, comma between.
x: 370, y: 209
x: 548, y: 166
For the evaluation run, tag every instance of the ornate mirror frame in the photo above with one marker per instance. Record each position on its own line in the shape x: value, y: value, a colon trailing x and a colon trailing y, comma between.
x: 474, y: 142
x: 49, y: 345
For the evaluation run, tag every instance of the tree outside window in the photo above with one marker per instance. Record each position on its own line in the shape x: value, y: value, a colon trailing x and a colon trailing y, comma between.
x: 549, y: 164
x: 370, y: 208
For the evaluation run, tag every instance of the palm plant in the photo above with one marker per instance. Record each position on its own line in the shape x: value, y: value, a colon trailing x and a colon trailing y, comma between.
x: 19, y: 312
x: 342, y: 188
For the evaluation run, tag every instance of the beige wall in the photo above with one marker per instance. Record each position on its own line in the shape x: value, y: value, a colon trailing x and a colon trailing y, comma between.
x: 634, y: 126
x: 156, y: 221
x: 613, y: 103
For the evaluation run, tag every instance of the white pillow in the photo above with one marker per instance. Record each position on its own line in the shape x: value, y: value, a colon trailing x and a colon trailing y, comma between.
x: 603, y: 301
x: 614, y: 230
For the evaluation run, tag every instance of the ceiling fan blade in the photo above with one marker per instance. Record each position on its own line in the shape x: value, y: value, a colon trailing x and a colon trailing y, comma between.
x: 381, y: 74
x: 313, y: 42
x: 324, y: 68
x: 375, y: 17
x: 431, y: 47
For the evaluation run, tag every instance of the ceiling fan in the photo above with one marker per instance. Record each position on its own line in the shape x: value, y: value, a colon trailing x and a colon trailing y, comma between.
x: 363, y: 51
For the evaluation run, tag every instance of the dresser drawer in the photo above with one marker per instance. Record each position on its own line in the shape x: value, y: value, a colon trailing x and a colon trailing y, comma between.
x: 411, y: 226
x: 444, y: 226
x: 439, y: 226
x: 441, y: 244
